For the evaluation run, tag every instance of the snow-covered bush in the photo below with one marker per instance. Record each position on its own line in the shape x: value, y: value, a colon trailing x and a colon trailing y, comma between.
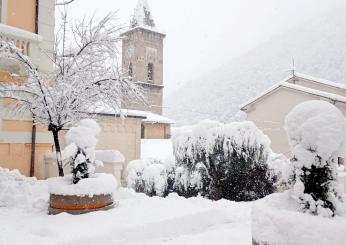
x: 316, y: 131
x: 191, y: 183
x: 82, y: 141
x: 149, y: 176
x: 234, y: 157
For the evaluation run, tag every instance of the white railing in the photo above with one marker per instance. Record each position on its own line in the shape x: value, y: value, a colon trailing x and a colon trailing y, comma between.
x: 27, y: 41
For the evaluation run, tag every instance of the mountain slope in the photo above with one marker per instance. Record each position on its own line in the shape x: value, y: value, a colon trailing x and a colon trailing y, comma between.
x: 318, y: 48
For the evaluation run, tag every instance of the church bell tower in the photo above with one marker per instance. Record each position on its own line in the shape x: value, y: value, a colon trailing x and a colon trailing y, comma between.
x: 142, y: 58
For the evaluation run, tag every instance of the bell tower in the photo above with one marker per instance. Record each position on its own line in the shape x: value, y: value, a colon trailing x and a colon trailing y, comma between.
x: 142, y: 58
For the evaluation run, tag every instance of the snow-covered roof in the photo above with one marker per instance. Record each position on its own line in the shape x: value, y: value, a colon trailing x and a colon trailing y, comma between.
x: 147, y: 117
x: 143, y: 19
x: 285, y: 84
x: 320, y: 80
x: 150, y: 117
x: 14, y: 32
x: 142, y: 15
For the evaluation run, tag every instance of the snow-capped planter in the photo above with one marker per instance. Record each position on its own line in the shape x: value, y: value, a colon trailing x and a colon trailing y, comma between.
x: 275, y: 220
x: 90, y: 194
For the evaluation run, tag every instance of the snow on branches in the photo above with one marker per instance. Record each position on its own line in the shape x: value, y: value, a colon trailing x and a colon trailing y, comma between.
x: 86, y: 72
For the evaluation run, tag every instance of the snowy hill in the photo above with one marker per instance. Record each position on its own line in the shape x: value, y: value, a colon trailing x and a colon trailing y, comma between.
x: 318, y: 48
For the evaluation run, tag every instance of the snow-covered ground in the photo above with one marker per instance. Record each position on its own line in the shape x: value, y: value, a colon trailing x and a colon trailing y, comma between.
x: 137, y: 220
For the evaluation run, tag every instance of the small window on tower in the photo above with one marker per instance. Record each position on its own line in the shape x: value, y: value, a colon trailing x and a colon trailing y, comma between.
x: 130, y: 70
x: 150, y: 72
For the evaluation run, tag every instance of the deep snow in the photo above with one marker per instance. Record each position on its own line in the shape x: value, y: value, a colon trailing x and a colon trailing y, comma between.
x: 137, y: 220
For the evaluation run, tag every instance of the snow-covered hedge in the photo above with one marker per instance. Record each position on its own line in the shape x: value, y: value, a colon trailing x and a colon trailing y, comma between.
x: 150, y: 176
x: 213, y: 160
x: 316, y: 132
x: 234, y: 157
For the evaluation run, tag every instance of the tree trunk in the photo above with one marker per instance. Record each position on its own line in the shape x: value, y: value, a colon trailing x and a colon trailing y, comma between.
x: 55, y: 132
x: 33, y: 149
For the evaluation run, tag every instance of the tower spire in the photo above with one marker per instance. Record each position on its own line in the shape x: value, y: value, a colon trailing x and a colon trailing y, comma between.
x: 142, y: 16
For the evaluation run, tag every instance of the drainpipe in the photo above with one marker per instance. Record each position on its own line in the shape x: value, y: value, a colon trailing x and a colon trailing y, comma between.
x: 37, y: 6
x: 33, y: 149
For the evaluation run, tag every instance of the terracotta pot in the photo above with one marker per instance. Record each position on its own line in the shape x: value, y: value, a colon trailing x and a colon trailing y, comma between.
x: 73, y: 204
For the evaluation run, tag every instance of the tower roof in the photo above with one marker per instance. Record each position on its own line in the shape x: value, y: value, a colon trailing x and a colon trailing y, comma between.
x: 142, y: 16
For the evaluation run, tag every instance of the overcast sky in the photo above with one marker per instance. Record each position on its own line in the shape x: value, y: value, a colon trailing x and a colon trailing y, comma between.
x: 204, y: 34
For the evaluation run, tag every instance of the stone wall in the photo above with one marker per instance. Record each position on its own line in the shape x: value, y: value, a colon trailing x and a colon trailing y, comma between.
x: 139, y: 48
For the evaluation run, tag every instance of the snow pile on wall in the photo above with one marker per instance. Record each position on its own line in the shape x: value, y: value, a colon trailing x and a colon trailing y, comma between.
x: 275, y: 220
x: 316, y: 132
x: 19, y: 191
x: 96, y: 185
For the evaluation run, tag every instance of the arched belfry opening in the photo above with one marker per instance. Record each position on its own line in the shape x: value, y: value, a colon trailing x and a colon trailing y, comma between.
x: 150, y: 72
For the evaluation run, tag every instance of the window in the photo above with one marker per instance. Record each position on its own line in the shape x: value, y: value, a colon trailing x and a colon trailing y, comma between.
x: 142, y: 131
x: 130, y: 70
x: 150, y: 72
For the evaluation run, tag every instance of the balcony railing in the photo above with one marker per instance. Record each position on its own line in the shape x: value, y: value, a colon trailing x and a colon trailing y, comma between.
x: 25, y: 40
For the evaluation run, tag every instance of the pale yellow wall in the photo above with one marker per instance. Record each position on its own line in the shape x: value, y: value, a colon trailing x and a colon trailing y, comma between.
x: 269, y: 114
x: 21, y: 126
x: 157, y: 131
x: 18, y: 156
x: 21, y: 14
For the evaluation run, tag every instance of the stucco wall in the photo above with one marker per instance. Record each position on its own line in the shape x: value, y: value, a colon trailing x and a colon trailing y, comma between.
x: 21, y: 14
x: 18, y: 156
x: 269, y: 114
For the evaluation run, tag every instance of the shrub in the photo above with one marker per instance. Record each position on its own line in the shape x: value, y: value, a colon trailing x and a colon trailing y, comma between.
x: 316, y: 131
x: 234, y: 157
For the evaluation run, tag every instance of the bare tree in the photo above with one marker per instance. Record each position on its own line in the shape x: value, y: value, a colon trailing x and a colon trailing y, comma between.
x: 86, y: 73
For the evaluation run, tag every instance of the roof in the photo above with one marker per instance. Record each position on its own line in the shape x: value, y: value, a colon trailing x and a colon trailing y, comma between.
x: 146, y: 28
x: 150, y: 117
x: 320, y: 80
x: 146, y: 116
x: 285, y: 84
x: 143, y: 19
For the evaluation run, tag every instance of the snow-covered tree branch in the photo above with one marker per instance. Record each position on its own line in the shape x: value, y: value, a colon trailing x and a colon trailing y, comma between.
x: 86, y: 74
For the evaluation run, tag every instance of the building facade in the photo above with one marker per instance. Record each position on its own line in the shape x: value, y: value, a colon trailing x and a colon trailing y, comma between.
x: 142, y: 60
x: 30, y: 25
x: 270, y: 108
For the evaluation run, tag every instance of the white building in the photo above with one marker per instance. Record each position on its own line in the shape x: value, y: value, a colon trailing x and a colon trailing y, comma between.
x: 269, y: 109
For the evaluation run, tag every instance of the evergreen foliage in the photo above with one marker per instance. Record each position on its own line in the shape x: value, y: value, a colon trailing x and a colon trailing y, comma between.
x: 314, y: 129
